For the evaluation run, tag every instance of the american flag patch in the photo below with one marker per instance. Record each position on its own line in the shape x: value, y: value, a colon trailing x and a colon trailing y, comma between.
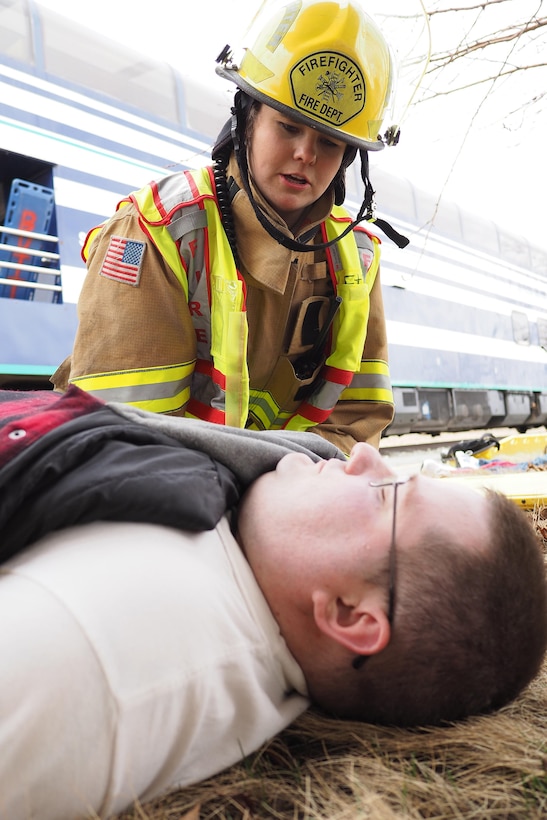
x: 123, y: 260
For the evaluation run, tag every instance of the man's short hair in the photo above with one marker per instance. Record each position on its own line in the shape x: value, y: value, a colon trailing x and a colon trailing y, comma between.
x: 470, y: 630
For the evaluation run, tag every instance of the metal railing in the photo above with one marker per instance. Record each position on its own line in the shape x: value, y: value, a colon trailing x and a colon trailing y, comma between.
x: 49, y: 258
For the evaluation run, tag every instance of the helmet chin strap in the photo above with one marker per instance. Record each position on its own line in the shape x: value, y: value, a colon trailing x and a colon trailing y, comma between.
x: 366, y: 211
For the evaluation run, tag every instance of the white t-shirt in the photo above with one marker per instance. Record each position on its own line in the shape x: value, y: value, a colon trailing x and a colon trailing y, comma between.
x: 134, y: 659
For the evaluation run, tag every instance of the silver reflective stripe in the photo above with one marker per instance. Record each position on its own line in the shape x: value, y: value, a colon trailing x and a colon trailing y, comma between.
x: 363, y: 240
x: 336, y: 258
x: 143, y: 392
x: 374, y: 380
x: 174, y: 189
x: 327, y: 396
x: 191, y: 218
x: 206, y: 391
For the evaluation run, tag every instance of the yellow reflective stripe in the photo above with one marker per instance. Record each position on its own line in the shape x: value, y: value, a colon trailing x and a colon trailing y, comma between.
x: 350, y: 324
x: 367, y: 394
x: 371, y: 383
x: 171, y: 405
x: 350, y: 327
x: 277, y: 424
x: 164, y: 242
x: 139, y: 376
x: 161, y: 389
x: 298, y: 422
x: 263, y: 407
x: 237, y: 378
x: 373, y: 367
x: 229, y: 329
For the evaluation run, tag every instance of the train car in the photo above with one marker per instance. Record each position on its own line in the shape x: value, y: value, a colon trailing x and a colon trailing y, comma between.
x: 466, y: 307
x: 466, y: 303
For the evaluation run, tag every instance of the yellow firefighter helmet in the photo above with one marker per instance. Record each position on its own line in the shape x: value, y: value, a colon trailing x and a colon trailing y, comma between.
x: 322, y: 62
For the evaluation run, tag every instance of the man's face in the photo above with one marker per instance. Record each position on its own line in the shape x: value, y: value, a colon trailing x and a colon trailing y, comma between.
x: 322, y: 522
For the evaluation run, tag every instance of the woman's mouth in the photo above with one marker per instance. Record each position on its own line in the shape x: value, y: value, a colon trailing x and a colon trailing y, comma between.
x: 294, y: 179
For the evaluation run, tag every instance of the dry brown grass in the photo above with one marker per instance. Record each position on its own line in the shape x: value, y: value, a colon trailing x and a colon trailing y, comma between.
x: 486, y: 768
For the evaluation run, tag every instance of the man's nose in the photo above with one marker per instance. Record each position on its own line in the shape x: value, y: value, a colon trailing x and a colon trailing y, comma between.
x: 365, y: 458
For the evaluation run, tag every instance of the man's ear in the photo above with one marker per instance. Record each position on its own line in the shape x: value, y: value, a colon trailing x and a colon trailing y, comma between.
x: 361, y: 627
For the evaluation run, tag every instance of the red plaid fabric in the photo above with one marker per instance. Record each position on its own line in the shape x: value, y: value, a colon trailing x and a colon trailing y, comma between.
x: 26, y: 416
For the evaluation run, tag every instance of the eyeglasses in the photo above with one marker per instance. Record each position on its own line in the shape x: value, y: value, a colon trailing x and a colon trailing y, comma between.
x: 395, y: 482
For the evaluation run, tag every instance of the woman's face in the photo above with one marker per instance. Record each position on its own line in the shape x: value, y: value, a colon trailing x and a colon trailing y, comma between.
x: 292, y: 164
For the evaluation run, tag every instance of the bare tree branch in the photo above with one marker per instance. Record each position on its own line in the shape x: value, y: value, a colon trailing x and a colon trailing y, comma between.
x: 505, y: 36
x: 431, y: 12
x: 501, y: 53
x: 487, y: 79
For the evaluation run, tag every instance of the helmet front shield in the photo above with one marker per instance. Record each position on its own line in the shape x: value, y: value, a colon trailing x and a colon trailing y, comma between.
x: 326, y: 63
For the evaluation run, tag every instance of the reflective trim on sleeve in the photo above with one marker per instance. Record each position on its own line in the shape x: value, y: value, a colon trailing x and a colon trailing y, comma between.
x: 158, y: 389
x: 326, y: 397
x: 372, y: 383
x: 309, y: 416
x: 370, y: 394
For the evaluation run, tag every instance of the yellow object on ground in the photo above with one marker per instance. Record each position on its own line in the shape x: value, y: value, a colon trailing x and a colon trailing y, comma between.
x: 527, y: 445
x: 527, y: 487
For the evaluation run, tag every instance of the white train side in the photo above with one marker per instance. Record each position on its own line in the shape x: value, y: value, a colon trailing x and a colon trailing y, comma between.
x: 466, y: 303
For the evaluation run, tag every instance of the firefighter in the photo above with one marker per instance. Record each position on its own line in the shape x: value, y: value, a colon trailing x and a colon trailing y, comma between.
x: 243, y: 293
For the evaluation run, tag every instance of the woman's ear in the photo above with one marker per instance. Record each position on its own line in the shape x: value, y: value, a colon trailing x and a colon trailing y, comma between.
x: 361, y: 626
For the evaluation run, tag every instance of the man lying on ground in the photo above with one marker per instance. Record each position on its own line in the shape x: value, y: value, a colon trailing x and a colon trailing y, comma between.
x: 174, y: 593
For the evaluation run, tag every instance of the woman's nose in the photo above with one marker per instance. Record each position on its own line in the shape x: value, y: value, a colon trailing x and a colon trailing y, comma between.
x: 306, y: 149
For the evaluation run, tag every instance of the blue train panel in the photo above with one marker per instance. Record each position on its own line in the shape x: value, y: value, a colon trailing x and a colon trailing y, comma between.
x: 35, y: 337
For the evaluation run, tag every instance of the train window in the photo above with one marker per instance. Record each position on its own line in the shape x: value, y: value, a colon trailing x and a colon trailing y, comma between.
x: 542, y: 332
x: 207, y: 108
x: 515, y: 249
x: 444, y: 216
x: 539, y: 260
x: 521, y: 327
x: 480, y: 233
x: 81, y: 56
x: 409, y: 398
x: 15, y: 36
x: 394, y: 195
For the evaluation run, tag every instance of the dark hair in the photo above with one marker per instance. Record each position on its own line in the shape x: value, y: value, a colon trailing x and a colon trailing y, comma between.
x: 470, y: 630
x: 252, y: 113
